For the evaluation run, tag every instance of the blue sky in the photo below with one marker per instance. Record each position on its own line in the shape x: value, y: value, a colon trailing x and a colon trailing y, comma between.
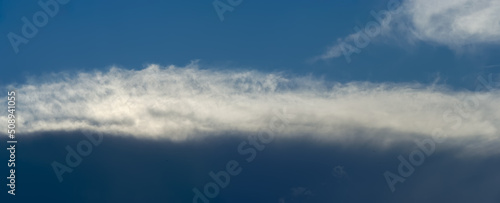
x: 268, y: 36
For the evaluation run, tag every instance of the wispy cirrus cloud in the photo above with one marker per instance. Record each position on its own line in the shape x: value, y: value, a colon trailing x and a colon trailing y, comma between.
x: 180, y: 103
x: 452, y: 23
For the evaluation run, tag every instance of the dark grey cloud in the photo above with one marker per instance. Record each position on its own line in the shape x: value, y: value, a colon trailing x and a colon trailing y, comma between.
x: 298, y: 169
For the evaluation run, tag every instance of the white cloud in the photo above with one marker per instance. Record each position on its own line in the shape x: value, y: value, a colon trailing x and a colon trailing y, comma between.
x: 453, y: 23
x: 456, y: 22
x: 182, y: 102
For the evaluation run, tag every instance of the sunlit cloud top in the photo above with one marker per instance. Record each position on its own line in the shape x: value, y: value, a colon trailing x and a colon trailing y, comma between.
x: 179, y: 103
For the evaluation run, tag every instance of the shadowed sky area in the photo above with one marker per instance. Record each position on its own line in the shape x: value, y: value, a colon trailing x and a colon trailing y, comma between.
x: 124, y: 169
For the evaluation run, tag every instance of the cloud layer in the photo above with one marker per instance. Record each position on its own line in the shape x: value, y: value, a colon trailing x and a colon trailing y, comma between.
x: 453, y: 23
x: 179, y: 103
x: 456, y: 22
